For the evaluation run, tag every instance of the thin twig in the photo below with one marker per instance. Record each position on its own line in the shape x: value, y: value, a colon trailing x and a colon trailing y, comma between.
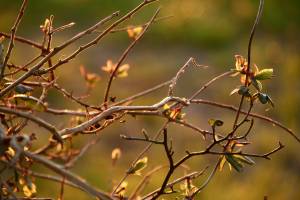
x: 54, y: 52
x: 258, y: 15
x: 209, y: 83
x: 116, y: 109
x: 143, y: 93
x: 124, y: 55
x: 192, y: 175
x: 69, y: 176
x: 34, y: 119
x: 23, y: 40
x: 230, y: 107
x: 12, y: 37
x: 141, y: 154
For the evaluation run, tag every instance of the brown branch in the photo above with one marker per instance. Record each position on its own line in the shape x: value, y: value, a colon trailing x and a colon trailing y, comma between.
x: 24, y: 67
x: 207, y: 180
x: 143, y: 182
x: 34, y: 119
x: 12, y: 37
x: 54, y: 52
x: 192, y: 175
x: 142, y: 153
x: 124, y: 55
x: 116, y: 109
x: 179, y: 73
x: 143, y: 93
x: 209, y: 83
x: 116, y: 30
x: 258, y: 15
x: 83, y: 150
x: 233, y: 108
x: 100, y: 36
x: 68, y: 175
x: 23, y: 40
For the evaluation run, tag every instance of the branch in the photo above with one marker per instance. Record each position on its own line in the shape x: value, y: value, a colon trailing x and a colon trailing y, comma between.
x: 209, y: 83
x: 192, y: 175
x: 12, y: 37
x: 143, y: 152
x: 68, y: 175
x: 180, y: 71
x: 143, y: 93
x: 115, y: 109
x: 258, y: 15
x: 23, y: 40
x: 54, y: 52
x: 230, y: 107
x: 124, y: 55
x: 34, y: 119
x: 100, y: 36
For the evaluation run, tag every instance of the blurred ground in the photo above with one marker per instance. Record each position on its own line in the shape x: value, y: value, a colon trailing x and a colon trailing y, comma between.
x: 212, y: 32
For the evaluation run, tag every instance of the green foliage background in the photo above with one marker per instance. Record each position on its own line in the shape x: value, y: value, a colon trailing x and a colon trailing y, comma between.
x: 212, y: 32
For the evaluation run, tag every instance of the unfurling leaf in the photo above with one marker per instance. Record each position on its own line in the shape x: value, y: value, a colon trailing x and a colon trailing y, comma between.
x: 122, y: 189
x: 222, y: 162
x: 215, y: 122
x: 264, y: 74
x: 244, y: 159
x: 240, y: 63
x: 257, y: 84
x: 234, y: 162
x: 45, y: 28
x: 264, y: 98
x: 29, y: 190
x: 11, y: 152
x: 138, y: 166
x: 134, y: 32
x: 90, y: 78
x: 242, y: 90
x: 166, y: 107
x: 116, y: 155
x: 173, y: 113
x: 187, y: 188
x: 110, y: 68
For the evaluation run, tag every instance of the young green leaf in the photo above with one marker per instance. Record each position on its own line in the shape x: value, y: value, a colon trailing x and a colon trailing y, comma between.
x: 257, y: 84
x: 222, y: 162
x: 139, y: 165
x: 244, y: 159
x: 264, y: 74
x: 234, y: 163
x: 215, y: 122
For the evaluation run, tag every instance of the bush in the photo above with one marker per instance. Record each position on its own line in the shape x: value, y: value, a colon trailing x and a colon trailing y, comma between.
x: 24, y: 100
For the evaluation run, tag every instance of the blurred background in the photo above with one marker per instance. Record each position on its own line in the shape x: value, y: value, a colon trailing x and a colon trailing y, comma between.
x: 210, y: 31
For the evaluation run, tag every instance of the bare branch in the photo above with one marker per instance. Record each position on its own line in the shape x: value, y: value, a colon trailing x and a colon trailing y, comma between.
x: 34, y: 119
x: 68, y: 175
x: 12, y: 37
x: 124, y: 55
